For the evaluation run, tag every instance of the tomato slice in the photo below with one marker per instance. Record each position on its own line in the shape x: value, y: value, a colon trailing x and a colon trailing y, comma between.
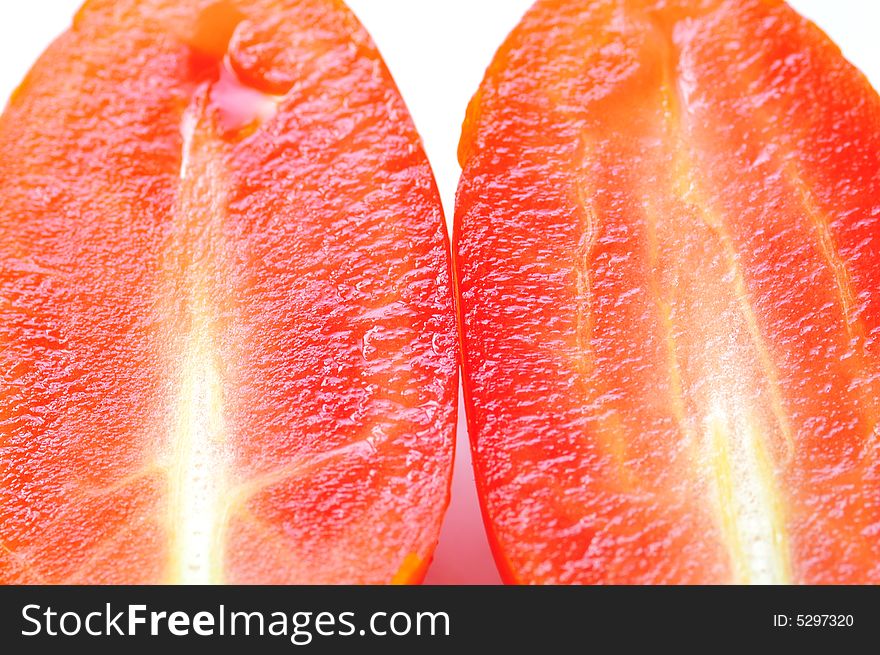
x: 668, y: 250
x: 227, y: 335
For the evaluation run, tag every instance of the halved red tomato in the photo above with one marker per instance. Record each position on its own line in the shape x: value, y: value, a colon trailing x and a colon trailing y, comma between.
x: 668, y: 249
x: 227, y: 335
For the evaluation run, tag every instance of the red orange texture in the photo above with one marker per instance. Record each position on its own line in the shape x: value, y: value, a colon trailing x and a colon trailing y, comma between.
x: 668, y: 257
x: 228, y: 336
x: 227, y: 327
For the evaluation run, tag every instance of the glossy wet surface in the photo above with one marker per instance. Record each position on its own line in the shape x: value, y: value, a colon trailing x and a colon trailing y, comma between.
x: 227, y: 327
x: 667, y: 233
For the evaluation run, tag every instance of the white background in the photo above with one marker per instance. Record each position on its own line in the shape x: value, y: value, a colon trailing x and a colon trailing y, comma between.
x: 437, y: 51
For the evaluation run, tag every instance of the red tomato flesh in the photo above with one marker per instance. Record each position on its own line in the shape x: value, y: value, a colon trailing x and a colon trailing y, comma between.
x: 668, y: 250
x: 227, y: 335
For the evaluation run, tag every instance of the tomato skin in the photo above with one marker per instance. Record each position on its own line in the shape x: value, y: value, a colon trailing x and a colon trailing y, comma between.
x: 228, y: 328
x: 667, y: 244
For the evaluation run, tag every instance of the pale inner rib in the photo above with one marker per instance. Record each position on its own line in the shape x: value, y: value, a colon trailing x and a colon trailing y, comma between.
x: 198, y: 459
x: 751, y: 519
x: 198, y: 473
